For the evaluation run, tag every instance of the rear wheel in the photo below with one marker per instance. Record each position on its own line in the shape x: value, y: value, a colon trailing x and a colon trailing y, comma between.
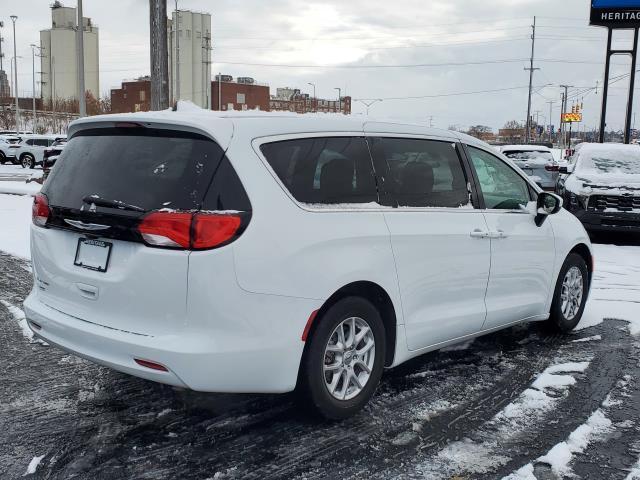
x: 345, y: 358
x: 28, y: 161
x: 3, y: 158
x: 570, y: 296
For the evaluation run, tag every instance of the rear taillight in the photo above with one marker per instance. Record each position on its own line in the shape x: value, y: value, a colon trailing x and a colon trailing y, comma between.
x: 552, y: 168
x: 193, y: 231
x: 40, y: 210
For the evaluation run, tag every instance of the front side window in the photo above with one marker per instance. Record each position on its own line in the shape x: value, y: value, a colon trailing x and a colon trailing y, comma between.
x: 422, y: 173
x: 327, y: 171
x: 501, y: 187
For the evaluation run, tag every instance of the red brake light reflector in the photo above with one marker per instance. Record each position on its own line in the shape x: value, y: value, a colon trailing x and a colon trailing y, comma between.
x: 40, y: 210
x: 151, y: 365
x: 552, y: 168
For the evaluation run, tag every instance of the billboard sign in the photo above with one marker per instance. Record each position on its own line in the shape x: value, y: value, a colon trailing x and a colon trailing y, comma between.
x: 571, y: 117
x: 615, y: 13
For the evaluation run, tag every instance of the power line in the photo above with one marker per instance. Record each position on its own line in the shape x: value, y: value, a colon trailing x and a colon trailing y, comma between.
x: 417, y: 97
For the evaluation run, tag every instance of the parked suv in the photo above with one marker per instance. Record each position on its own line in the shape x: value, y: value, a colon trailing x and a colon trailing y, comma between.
x: 601, y: 186
x: 8, y: 146
x: 31, y: 149
x: 265, y: 252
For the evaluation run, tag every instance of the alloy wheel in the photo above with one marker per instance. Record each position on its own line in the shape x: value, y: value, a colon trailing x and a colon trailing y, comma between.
x: 349, y: 358
x: 572, y: 293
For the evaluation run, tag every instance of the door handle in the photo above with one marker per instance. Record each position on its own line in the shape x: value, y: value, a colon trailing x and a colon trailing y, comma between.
x: 477, y: 233
x: 498, y: 234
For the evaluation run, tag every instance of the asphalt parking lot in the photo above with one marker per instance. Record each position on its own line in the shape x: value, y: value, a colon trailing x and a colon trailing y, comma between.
x: 518, y: 401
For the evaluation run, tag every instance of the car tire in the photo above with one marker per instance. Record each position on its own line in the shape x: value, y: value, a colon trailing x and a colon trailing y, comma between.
x: 356, y: 364
x: 570, y: 295
x: 3, y: 158
x: 28, y: 161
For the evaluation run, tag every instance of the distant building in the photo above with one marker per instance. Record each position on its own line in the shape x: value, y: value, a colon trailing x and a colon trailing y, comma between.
x: 5, y: 90
x: 193, y: 32
x: 242, y: 94
x: 293, y: 100
x: 59, y: 70
x: 132, y: 96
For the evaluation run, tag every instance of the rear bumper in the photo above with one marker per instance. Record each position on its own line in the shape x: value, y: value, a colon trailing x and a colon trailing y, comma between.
x: 195, y: 360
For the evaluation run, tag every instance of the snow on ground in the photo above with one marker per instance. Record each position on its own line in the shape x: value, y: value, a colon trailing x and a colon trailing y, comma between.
x: 15, y: 220
x: 560, y: 456
x: 635, y: 472
x: 616, y: 287
x: 19, y: 316
x: 19, y: 188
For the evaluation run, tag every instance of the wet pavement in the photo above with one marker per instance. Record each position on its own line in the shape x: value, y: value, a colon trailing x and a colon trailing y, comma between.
x: 483, y: 411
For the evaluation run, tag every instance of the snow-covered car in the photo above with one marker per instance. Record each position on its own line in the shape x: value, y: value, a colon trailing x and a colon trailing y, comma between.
x: 8, y: 147
x: 52, y: 153
x: 30, y: 151
x: 601, y: 186
x: 536, y: 161
x: 257, y: 252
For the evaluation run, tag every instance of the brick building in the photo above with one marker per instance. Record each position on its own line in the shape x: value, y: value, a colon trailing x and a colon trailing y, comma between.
x: 242, y: 94
x: 293, y: 100
x: 133, y: 96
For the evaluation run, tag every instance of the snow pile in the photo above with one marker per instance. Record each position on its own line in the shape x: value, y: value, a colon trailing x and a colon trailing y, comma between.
x: 635, y: 472
x: 561, y: 455
x: 33, y: 465
x: 15, y: 219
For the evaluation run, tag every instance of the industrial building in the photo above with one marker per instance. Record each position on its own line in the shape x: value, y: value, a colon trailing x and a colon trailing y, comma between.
x: 293, y: 100
x: 242, y: 94
x: 58, y: 65
x: 133, y: 96
x: 189, y: 46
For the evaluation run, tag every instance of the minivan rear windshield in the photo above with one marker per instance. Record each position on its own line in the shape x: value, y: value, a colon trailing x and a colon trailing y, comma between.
x: 147, y: 168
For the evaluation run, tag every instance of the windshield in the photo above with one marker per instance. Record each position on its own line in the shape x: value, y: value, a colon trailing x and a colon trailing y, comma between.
x: 519, y: 155
x: 614, y: 162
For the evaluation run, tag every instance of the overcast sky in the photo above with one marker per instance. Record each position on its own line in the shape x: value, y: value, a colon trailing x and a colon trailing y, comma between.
x: 459, y: 46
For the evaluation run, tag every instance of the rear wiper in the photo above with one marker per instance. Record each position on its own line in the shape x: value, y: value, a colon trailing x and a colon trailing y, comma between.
x: 101, y: 202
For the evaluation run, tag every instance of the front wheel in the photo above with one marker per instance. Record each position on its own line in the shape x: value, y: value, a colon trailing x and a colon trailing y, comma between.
x: 570, y: 296
x: 345, y: 358
x: 28, y: 161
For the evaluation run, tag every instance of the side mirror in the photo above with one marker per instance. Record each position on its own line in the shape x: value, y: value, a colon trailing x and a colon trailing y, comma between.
x: 566, y: 169
x: 548, y: 204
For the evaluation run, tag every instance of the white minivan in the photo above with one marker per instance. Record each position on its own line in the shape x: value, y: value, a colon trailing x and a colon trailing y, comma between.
x: 267, y: 252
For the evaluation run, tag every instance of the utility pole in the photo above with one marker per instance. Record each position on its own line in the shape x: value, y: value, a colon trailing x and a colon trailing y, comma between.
x: 315, y: 101
x: 369, y: 103
x: 15, y: 72
x: 430, y: 121
x: 565, y: 101
x: 176, y: 30
x: 159, y: 55
x: 531, y: 69
x: 339, y: 99
x: 1, y: 40
x: 551, y: 102
x: 33, y: 67
x: 82, y: 101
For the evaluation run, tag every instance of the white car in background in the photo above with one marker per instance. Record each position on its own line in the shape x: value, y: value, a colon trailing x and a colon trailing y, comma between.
x: 269, y: 252
x: 30, y: 151
x: 536, y: 161
x: 8, y: 146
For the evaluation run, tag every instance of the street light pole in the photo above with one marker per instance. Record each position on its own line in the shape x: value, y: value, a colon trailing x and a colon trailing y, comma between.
x: 368, y: 103
x: 82, y: 101
x: 176, y: 28
x: 15, y: 72
x: 315, y: 100
x: 339, y: 98
x: 33, y: 67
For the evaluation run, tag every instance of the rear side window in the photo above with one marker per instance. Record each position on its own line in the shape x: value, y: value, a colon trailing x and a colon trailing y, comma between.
x: 147, y: 168
x: 422, y: 173
x: 328, y: 171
